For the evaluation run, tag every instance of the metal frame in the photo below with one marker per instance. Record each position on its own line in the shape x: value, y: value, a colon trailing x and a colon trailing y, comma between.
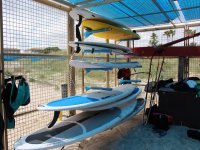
x: 163, y: 12
x: 136, y: 13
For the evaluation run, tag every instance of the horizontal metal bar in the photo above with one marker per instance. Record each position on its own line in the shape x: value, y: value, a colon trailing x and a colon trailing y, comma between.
x: 167, y: 26
x: 24, y: 113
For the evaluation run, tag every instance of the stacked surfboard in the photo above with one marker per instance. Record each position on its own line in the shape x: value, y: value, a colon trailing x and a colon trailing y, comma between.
x: 102, y: 109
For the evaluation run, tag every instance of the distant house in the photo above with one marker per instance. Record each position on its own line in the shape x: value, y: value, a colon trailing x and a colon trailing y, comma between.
x: 11, y: 50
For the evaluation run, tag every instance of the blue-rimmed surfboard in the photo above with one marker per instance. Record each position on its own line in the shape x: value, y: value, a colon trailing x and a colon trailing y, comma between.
x: 76, y: 128
x: 131, y: 97
x: 90, y: 99
x: 86, y: 64
x: 118, y: 49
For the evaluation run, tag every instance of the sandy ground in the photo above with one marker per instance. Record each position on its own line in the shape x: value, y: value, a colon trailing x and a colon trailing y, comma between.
x: 133, y: 135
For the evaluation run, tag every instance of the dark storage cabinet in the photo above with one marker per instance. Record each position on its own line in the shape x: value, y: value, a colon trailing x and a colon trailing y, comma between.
x: 183, y: 106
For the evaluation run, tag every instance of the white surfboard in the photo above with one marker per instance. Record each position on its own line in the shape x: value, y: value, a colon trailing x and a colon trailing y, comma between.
x: 85, y: 64
x: 133, y: 96
x: 90, y: 99
x: 76, y: 12
x: 118, y: 49
x: 76, y: 128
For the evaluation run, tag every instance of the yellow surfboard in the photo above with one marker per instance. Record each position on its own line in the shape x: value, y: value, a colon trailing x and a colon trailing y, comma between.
x: 107, y: 31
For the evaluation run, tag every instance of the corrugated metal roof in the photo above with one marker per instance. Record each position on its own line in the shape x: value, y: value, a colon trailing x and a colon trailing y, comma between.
x: 138, y: 13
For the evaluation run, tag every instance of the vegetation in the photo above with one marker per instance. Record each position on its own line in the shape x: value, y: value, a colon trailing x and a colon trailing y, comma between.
x: 189, y: 32
x: 51, y: 50
x: 170, y: 33
x: 153, y: 40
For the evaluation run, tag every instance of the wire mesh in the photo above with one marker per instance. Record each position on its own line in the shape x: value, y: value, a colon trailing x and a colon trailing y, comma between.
x: 32, y: 31
x: 34, y: 28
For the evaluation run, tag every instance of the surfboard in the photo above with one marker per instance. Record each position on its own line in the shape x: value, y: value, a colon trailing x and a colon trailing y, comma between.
x: 133, y: 96
x: 85, y: 64
x: 89, y: 99
x: 75, y: 128
x: 76, y: 12
x: 118, y: 49
x: 107, y: 31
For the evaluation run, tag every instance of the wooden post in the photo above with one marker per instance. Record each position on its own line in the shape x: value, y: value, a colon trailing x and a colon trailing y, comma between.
x: 71, y: 70
x: 107, y: 72
x: 82, y: 71
x: 2, y: 111
x: 128, y: 45
x: 115, y: 70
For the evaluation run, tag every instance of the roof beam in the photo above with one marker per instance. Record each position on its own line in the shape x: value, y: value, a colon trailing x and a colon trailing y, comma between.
x: 63, y: 2
x: 163, y: 12
x: 136, y: 13
x: 84, y: 2
x: 98, y: 3
x: 128, y: 15
x: 174, y: 10
x: 54, y: 4
x: 168, y: 26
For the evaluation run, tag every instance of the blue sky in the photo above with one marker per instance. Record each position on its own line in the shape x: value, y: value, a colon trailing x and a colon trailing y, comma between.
x: 30, y: 24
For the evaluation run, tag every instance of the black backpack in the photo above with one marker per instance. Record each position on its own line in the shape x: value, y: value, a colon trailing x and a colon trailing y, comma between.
x: 161, y: 122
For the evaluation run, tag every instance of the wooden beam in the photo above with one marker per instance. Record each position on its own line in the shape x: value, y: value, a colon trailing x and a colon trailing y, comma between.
x: 55, y: 5
x: 182, y: 51
x: 163, y: 12
x: 166, y: 27
x: 71, y: 71
x: 107, y: 72
x: 82, y: 70
x: 98, y: 3
x: 136, y: 13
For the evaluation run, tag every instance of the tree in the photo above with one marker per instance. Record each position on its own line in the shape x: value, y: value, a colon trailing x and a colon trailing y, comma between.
x: 191, y: 33
x: 172, y: 33
x: 153, y: 40
x: 167, y: 34
x: 51, y: 49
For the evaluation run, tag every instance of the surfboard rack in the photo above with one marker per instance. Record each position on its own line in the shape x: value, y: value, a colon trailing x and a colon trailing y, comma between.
x: 78, y: 49
x: 55, y: 118
x: 129, y: 81
x: 97, y: 88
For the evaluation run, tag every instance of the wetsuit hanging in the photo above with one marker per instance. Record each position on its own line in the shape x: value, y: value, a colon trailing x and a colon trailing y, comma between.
x: 13, y: 98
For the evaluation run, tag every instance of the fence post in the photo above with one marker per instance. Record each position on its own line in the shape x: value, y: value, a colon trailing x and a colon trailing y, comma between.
x: 64, y: 89
x: 71, y: 70
x: 5, y: 137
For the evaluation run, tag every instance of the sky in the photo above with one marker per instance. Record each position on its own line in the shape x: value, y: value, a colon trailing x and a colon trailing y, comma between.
x: 29, y: 24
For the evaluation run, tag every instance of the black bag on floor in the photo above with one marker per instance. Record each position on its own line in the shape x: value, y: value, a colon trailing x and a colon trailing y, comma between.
x: 193, y: 134
x: 161, y: 122
x: 149, y: 112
